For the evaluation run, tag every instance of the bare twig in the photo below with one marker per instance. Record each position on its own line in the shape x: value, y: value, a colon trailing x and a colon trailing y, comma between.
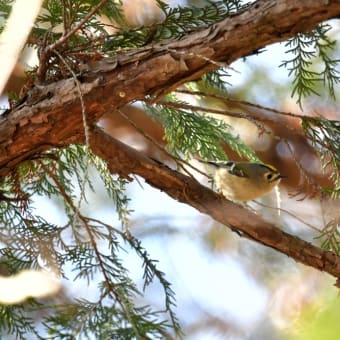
x: 209, y: 110
x: 243, y: 102
x: 46, y: 51
x: 177, y: 160
x: 59, y: 42
x: 65, y: 25
x: 290, y: 214
x: 81, y: 97
x: 85, y: 126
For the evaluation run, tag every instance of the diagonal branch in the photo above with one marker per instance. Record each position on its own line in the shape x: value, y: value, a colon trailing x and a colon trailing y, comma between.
x: 125, y: 160
x: 51, y: 114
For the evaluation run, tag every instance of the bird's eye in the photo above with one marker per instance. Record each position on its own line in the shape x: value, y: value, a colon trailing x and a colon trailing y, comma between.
x: 269, y: 176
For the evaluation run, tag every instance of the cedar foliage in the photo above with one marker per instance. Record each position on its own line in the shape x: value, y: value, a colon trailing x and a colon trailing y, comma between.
x: 66, y: 174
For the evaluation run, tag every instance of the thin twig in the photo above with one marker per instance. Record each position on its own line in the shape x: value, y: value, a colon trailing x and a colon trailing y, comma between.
x: 251, y: 119
x: 178, y: 161
x: 186, y: 106
x: 243, y: 102
x: 65, y: 26
x: 85, y: 126
x: 80, y: 324
x: 301, y: 169
x: 290, y: 214
x: 76, y: 28
x: 108, y: 226
x: 81, y: 97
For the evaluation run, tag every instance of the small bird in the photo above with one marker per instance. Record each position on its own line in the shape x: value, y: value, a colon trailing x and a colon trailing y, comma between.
x: 243, y: 181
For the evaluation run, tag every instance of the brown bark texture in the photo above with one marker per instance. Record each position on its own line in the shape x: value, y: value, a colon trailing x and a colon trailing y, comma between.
x: 51, y: 115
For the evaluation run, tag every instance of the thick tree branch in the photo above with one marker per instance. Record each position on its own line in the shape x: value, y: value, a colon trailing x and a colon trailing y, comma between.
x: 51, y: 115
x: 125, y: 160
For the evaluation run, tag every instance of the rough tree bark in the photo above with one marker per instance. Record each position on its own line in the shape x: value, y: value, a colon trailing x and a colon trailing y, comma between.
x: 51, y: 114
